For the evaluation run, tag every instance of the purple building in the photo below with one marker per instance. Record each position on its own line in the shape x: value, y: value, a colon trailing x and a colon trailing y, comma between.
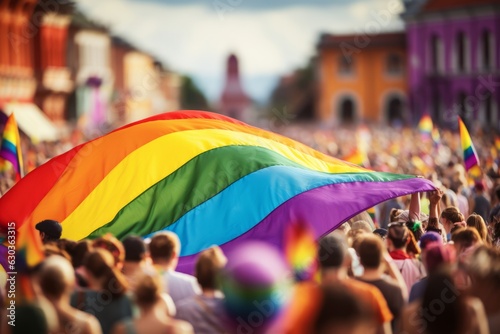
x: 454, y: 60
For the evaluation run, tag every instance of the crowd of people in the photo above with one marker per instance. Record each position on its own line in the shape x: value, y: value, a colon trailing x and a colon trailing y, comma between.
x: 434, y: 272
x: 425, y: 263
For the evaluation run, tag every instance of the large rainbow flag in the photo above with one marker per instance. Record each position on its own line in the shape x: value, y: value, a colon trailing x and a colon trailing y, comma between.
x: 209, y: 178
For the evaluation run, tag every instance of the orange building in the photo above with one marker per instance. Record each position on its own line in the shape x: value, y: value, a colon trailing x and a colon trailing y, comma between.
x: 362, y: 78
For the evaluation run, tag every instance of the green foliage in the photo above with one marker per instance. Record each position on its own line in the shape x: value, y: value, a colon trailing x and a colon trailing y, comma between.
x: 191, y: 95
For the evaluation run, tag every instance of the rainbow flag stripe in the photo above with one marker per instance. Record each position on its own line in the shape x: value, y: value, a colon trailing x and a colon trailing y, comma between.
x: 470, y: 155
x: 208, y: 178
x: 10, y: 149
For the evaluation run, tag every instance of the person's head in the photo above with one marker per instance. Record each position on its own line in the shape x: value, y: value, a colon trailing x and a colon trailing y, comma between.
x: 82, y: 248
x: 345, y: 228
x: 465, y: 238
x: 394, y: 214
x: 164, y: 248
x: 399, y: 237
x: 370, y: 251
x: 67, y: 245
x: 112, y: 245
x: 50, y: 230
x: 484, y: 271
x: 148, y: 289
x: 381, y: 233
x: 415, y: 227
x: 477, y: 222
x: 437, y: 255
x: 434, y: 226
x: 135, y: 248
x: 56, y: 277
x: 430, y: 237
x: 341, y: 311
x: 333, y: 251
x: 479, y: 187
x: 451, y: 217
x: 102, y: 273
x: 208, y: 265
x: 51, y: 248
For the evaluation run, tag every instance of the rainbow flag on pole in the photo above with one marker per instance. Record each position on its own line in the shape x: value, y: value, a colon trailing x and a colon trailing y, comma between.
x: 10, y: 149
x: 425, y: 125
x: 470, y: 155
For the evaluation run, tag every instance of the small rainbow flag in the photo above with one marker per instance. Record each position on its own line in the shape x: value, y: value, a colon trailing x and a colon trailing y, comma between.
x: 470, y: 155
x: 301, y: 251
x: 10, y: 149
x: 29, y: 248
x: 357, y: 157
x: 425, y: 125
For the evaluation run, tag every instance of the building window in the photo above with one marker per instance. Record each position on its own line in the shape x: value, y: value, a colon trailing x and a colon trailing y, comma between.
x: 394, y: 64
x: 347, y: 111
x: 463, y: 109
x: 486, y: 50
x: 437, y: 57
x: 461, y: 52
x: 436, y: 107
x: 346, y: 65
x: 395, y: 111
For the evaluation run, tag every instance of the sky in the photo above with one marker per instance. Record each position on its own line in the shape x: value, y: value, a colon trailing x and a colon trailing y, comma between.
x: 270, y: 37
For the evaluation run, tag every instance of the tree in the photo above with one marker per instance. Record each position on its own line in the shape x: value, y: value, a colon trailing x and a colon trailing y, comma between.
x: 191, y: 95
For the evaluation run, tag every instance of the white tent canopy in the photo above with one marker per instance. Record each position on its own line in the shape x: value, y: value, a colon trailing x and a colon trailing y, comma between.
x: 32, y: 121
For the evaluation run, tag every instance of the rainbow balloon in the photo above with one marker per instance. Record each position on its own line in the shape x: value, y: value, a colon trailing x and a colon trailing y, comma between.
x: 209, y: 178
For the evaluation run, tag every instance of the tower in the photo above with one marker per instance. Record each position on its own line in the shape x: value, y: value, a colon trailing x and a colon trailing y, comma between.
x: 234, y: 100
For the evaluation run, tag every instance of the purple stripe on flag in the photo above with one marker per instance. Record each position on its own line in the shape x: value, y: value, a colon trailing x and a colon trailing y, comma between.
x: 325, y: 208
x: 11, y: 157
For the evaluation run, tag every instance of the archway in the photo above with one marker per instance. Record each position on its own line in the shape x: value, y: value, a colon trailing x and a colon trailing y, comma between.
x: 394, y: 110
x: 347, y: 112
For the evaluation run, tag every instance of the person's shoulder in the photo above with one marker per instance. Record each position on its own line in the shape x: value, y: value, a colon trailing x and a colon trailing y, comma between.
x: 474, y: 305
x: 180, y: 327
x: 186, y: 303
x: 181, y: 276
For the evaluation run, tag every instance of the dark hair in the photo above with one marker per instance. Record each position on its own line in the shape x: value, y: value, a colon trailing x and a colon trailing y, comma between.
x: 452, y: 313
x: 416, y: 229
x: 162, y: 246
x: 370, y: 250
x: 67, y: 245
x: 398, y: 233
x: 497, y: 192
x: 349, y: 310
x: 332, y: 250
x: 100, y: 264
x: 82, y: 248
x: 51, y: 248
x: 135, y: 249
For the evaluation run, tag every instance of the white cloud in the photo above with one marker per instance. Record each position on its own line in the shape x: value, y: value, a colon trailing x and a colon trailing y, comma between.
x: 196, y: 39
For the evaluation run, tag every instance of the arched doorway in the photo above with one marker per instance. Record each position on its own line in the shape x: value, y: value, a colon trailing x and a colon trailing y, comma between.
x: 394, y: 111
x: 347, y: 112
